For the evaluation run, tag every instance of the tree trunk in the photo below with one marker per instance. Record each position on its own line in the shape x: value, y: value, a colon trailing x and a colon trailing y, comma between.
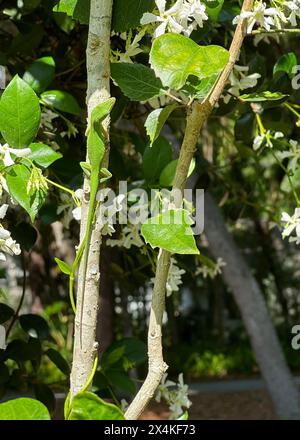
x: 250, y: 301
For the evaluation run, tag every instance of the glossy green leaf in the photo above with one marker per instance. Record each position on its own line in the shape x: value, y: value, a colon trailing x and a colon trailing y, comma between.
x: 175, y: 57
x: 58, y: 360
x: 262, y: 96
x: 61, y: 100
x: 121, y: 380
x: 21, y: 351
x: 43, y: 155
x: 23, y: 409
x: 6, y: 313
x: 157, y: 119
x: 17, y: 180
x: 78, y: 9
x: 126, y: 13
x: 40, y: 74
x: 136, y: 81
x: 185, y: 416
x: 34, y: 325
x: 200, y: 89
x: 171, y: 231
x: 286, y: 64
x: 213, y: 8
x: 19, y: 113
x: 168, y: 173
x: 64, y: 267
x: 155, y: 158
x: 88, y: 406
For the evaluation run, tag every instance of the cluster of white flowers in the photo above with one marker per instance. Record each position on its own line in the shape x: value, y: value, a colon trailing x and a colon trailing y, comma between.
x: 174, y: 277
x: 291, y: 224
x: 282, y: 13
x: 183, y: 17
x: 7, y: 244
x: 130, y: 236
x: 107, y: 213
x: 211, y: 270
x: 239, y: 80
x: 6, y: 153
x: 175, y: 395
x: 132, y: 47
x: 293, y: 154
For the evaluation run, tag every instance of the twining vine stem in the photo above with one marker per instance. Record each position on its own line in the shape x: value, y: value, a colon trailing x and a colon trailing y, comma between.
x: 98, y: 76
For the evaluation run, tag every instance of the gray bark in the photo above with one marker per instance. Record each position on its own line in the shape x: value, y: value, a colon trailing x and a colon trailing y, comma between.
x: 252, y: 306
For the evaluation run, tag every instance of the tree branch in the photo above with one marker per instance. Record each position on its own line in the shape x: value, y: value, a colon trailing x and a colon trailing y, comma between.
x: 196, y: 117
x: 98, y: 74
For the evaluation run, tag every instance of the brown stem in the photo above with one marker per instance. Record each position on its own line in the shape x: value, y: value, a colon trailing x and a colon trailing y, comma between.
x: 198, y: 113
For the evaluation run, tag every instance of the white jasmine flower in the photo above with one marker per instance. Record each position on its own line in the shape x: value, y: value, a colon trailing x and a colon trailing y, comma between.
x: 291, y: 224
x: 260, y: 15
x: 239, y: 80
x: 194, y: 12
x: 175, y: 395
x: 266, y: 139
x: 174, y: 278
x: 7, y: 244
x: 293, y: 154
x: 6, y: 151
x: 294, y: 11
x: 130, y: 236
x: 211, y: 270
x: 132, y: 48
x: 169, y: 19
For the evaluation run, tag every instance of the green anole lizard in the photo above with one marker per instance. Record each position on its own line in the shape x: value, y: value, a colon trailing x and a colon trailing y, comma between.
x: 96, y: 146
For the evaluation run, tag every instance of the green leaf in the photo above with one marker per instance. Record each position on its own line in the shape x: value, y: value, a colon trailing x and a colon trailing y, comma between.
x: 23, y: 409
x: 58, y: 360
x: 64, y: 267
x: 175, y: 57
x: 43, y: 155
x: 78, y: 9
x: 262, y: 96
x: 21, y: 351
x: 61, y: 100
x: 121, y: 380
x: 171, y: 231
x: 40, y: 74
x: 157, y: 119
x: 155, y: 158
x: 19, y: 113
x: 17, y: 184
x: 134, y: 350
x: 286, y: 64
x: 126, y: 13
x: 213, y: 8
x: 200, y: 89
x: 34, y: 325
x: 88, y: 406
x: 112, y: 357
x: 136, y: 81
x: 168, y: 173
x: 6, y: 313
x: 185, y: 416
